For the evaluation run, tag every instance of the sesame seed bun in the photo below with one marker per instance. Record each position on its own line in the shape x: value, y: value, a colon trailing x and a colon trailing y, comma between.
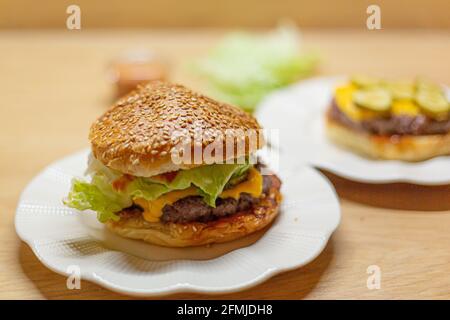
x: 140, y: 133
x: 406, y: 148
x: 224, y: 229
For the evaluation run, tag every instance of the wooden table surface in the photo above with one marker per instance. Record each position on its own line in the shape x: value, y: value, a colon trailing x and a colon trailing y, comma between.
x: 54, y: 83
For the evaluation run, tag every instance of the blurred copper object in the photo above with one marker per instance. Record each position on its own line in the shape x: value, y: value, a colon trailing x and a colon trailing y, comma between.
x: 136, y: 67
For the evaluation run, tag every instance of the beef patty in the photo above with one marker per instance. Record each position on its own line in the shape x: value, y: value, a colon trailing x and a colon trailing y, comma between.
x: 395, y: 125
x: 194, y: 208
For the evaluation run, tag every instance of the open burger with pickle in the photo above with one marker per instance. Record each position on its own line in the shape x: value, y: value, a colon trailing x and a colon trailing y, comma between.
x: 396, y: 120
x: 163, y: 169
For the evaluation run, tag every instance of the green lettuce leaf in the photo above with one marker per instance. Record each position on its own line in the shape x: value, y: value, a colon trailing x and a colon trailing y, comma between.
x: 210, y: 179
x: 243, y: 68
x: 147, y: 189
x: 99, y: 195
x: 238, y: 176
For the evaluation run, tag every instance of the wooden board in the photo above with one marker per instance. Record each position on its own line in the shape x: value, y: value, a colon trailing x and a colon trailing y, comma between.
x: 54, y: 84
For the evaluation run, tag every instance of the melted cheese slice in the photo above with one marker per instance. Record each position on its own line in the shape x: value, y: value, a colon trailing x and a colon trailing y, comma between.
x: 153, y: 209
x: 344, y: 101
x: 405, y: 107
x: 253, y: 186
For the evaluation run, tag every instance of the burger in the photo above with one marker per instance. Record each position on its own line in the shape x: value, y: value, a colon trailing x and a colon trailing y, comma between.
x: 392, y: 120
x: 175, y: 168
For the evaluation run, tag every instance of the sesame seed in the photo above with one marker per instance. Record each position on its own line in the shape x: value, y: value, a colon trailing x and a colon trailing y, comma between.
x: 140, y: 127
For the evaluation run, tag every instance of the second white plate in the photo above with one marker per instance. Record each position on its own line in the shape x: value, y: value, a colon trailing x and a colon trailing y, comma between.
x: 298, y: 113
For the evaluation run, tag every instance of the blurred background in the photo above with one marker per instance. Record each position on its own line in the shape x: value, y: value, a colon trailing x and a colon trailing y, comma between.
x: 56, y: 81
x: 237, y: 51
x: 224, y: 14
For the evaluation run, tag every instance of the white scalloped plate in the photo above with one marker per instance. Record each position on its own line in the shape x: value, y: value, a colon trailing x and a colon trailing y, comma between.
x: 61, y: 237
x: 298, y: 112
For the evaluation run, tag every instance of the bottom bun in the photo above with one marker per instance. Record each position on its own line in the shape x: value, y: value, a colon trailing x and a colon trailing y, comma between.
x: 201, y: 233
x: 406, y: 148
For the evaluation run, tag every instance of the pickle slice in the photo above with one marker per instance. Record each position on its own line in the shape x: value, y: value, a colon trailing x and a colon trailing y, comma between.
x: 362, y: 81
x: 401, y: 90
x: 433, y: 103
x: 425, y: 85
x: 375, y: 99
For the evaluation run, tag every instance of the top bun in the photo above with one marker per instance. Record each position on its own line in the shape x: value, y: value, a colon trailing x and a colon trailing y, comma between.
x: 140, y: 133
